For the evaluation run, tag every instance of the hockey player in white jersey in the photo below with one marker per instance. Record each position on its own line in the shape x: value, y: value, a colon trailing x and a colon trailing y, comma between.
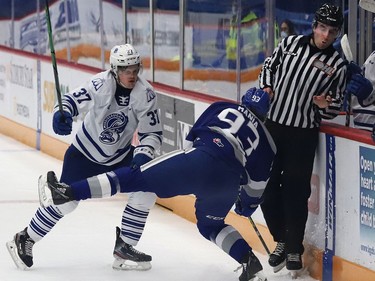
x: 361, y: 85
x: 117, y: 103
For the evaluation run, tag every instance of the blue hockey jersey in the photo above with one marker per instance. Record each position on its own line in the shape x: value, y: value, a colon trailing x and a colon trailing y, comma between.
x: 241, y: 137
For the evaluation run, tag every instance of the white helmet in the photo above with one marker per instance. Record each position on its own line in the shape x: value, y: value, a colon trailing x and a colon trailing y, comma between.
x: 123, y: 55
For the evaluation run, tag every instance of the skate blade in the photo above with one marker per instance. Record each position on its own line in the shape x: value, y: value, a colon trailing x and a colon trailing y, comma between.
x: 12, y: 249
x: 279, y: 267
x: 298, y: 273
x: 259, y: 276
x: 45, y: 195
x: 120, y: 264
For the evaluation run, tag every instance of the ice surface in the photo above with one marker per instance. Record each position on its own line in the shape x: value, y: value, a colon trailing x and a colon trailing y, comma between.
x: 80, y: 246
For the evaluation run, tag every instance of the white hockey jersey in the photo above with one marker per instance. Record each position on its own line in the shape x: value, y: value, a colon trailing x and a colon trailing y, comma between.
x: 111, y: 120
x: 364, y: 117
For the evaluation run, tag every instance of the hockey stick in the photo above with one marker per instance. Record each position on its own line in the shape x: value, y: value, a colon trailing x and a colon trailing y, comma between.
x: 53, y: 57
x: 349, y: 56
x: 368, y: 5
x: 259, y: 236
x: 346, y: 48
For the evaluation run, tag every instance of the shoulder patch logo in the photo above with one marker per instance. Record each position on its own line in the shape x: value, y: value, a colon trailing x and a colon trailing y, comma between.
x: 97, y: 83
x: 150, y: 94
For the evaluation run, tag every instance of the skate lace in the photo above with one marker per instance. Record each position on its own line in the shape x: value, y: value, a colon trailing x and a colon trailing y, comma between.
x: 135, y: 250
x: 29, y: 247
x: 279, y: 250
x: 294, y: 257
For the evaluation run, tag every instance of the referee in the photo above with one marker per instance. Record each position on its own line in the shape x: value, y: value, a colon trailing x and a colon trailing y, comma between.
x: 305, y: 77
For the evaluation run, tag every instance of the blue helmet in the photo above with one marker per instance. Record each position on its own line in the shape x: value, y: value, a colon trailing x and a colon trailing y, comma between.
x: 258, y: 101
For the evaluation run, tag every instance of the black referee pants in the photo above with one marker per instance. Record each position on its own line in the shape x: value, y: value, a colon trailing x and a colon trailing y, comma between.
x: 285, y: 206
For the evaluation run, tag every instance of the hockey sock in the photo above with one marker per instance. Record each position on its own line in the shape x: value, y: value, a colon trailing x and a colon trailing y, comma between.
x: 100, y: 186
x: 231, y: 242
x: 132, y: 224
x: 81, y: 189
x: 43, y: 222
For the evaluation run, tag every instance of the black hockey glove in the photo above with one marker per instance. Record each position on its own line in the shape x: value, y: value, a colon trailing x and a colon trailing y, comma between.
x: 246, y: 205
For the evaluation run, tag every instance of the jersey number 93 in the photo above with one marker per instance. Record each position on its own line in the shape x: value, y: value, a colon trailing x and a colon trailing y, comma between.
x: 242, y: 128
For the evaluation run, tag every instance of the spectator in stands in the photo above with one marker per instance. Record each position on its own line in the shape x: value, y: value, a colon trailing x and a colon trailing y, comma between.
x: 286, y: 29
x: 250, y: 42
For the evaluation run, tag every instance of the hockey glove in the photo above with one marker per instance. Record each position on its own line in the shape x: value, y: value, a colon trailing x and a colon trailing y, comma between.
x: 141, y: 155
x: 352, y: 69
x: 246, y: 205
x: 362, y: 89
x: 62, y: 123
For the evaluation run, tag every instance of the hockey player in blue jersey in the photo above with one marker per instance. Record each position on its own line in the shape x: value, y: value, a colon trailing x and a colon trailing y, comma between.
x: 114, y: 104
x: 227, y: 163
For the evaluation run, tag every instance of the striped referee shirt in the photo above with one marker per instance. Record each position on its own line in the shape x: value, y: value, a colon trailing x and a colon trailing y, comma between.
x: 296, y: 72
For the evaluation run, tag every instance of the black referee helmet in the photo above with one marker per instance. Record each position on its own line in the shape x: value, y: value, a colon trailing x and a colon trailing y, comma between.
x: 330, y: 15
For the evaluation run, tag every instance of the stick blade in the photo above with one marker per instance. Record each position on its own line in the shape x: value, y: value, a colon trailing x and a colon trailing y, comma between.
x: 346, y: 48
x: 368, y: 5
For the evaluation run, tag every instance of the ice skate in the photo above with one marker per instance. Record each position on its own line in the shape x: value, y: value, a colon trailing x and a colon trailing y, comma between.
x: 295, y: 274
x: 128, y: 258
x: 51, y: 191
x: 277, y: 258
x: 21, y: 249
x: 294, y: 265
x: 252, y: 269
